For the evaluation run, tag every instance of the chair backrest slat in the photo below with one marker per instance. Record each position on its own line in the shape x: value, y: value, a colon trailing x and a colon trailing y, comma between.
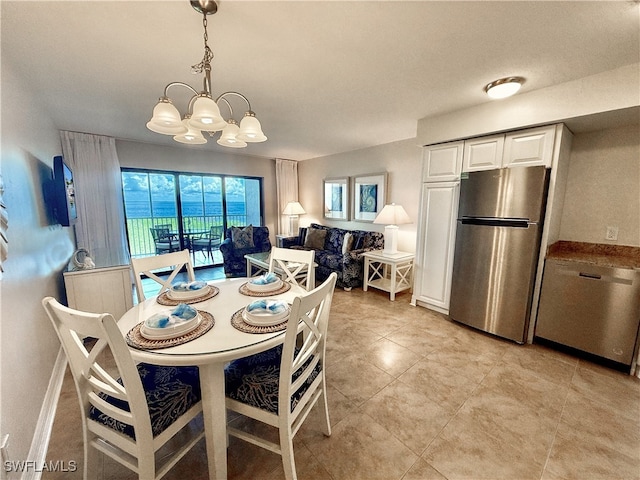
x: 297, y: 265
x: 145, y: 266
x: 312, y: 309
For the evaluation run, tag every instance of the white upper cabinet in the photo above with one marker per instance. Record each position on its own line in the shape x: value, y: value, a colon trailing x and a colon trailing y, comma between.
x: 529, y: 147
x: 484, y: 153
x: 524, y: 148
x: 442, y: 163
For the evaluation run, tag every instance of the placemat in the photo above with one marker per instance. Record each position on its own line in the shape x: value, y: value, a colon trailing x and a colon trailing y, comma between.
x: 250, y: 293
x: 164, y: 299
x: 238, y: 323
x: 136, y: 340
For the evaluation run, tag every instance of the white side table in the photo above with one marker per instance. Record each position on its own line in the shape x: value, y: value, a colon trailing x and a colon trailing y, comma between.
x: 391, y: 273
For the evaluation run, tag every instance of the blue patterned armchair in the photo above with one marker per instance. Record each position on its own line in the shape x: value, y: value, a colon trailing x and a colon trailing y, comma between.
x: 239, y: 241
x: 338, y: 250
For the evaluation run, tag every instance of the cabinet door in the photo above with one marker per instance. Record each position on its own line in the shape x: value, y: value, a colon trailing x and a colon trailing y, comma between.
x: 484, y: 153
x: 529, y: 147
x: 442, y: 162
x: 436, y: 241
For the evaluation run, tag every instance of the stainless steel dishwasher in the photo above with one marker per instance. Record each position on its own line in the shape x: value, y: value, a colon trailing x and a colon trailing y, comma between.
x: 591, y: 308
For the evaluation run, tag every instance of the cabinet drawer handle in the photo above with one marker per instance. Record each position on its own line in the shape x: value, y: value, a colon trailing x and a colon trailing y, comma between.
x: 590, y: 275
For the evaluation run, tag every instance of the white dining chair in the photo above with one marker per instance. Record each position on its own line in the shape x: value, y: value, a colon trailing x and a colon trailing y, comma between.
x: 280, y: 386
x: 129, y: 411
x: 148, y: 265
x: 297, y: 266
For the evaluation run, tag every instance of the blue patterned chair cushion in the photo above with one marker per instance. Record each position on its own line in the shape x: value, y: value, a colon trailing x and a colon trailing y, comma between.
x: 170, y: 392
x: 254, y: 380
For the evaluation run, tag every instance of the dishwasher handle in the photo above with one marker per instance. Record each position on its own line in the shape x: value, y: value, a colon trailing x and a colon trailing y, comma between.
x: 590, y: 275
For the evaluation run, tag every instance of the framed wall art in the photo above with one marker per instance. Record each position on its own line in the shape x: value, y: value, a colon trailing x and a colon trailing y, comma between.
x: 336, y: 198
x: 369, y: 196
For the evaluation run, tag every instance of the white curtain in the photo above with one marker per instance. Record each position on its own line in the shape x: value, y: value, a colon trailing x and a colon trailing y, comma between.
x: 100, y: 227
x: 286, y: 190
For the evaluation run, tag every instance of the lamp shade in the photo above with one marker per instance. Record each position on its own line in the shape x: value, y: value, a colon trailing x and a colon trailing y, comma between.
x: 229, y: 136
x: 293, y: 208
x: 166, y: 119
x: 206, y: 115
x: 392, y: 215
x: 250, y: 129
x: 192, y: 135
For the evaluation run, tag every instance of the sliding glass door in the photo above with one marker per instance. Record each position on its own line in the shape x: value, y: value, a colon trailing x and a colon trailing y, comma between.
x: 169, y: 211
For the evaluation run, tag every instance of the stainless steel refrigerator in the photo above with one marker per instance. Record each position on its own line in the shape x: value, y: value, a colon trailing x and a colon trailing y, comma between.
x: 497, y: 245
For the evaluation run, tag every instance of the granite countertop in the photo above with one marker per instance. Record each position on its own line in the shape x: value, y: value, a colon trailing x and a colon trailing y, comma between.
x: 617, y: 256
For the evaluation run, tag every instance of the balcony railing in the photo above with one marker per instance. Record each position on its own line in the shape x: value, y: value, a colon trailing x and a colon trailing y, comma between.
x: 141, y: 242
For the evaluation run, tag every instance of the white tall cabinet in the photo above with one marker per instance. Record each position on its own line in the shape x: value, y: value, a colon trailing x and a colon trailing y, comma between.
x: 442, y: 165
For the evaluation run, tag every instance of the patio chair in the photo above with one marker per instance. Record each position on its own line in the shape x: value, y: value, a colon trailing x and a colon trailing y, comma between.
x: 280, y: 386
x: 129, y: 411
x: 164, y: 240
x: 208, y: 242
x: 147, y: 266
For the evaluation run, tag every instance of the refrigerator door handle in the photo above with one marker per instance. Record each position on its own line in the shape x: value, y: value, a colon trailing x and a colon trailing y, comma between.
x: 497, y: 222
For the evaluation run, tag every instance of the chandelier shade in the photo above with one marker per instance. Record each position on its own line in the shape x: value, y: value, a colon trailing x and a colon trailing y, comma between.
x: 229, y: 136
x: 192, y: 135
x: 166, y: 118
x: 250, y: 129
x: 203, y: 112
x: 206, y: 115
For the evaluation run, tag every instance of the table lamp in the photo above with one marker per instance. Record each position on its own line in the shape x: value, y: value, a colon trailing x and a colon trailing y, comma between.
x: 293, y: 209
x: 391, y: 216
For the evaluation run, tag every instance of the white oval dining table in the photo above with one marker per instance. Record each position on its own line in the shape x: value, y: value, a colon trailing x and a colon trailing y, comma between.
x: 210, y: 352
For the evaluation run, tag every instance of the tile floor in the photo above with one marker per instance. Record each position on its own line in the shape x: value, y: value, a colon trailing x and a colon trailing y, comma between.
x: 415, y: 396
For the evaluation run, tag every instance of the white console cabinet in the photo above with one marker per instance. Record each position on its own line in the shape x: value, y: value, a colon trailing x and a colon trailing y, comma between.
x: 100, y: 290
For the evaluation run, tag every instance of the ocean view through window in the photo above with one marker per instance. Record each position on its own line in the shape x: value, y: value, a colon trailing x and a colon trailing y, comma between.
x: 168, y: 211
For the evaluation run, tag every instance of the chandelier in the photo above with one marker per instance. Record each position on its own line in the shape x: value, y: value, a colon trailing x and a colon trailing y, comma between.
x: 203, y: 113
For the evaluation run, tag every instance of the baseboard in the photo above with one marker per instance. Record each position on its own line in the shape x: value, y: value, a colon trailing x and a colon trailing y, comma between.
x: 42, y: 435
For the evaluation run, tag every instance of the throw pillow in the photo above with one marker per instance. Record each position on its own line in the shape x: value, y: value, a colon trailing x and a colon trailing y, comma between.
x: 315, y: 239
x: 348, y: 242
x: 242, y: 237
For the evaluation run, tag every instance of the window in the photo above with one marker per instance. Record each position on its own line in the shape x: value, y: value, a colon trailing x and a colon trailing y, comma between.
x: 189, y: 205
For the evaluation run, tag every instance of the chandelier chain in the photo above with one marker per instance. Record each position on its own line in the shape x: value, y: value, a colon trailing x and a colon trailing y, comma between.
x: 208, y: 54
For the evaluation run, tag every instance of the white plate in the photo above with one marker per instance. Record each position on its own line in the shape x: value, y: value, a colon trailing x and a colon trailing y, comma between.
x: 265, y: 320
x: 269, y: 287
x: 170, y: 332
x: 188, y: 294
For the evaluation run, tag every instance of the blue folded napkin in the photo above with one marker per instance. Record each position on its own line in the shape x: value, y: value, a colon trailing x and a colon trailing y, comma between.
x: 181, y: 314
x: 267, y: 306
x: 265, y: 279
x: 186, y: 286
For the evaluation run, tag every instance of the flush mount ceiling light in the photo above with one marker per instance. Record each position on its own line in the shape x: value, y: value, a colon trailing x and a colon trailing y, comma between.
x: 505, y: 87
x: 203, y: 111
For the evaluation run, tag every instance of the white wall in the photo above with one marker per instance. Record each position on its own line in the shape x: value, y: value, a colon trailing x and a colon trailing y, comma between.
x: 37, y: 254
x: 603, y: 187
x: 402, y: 162
x: 190, y: 159
x: 605, y: 92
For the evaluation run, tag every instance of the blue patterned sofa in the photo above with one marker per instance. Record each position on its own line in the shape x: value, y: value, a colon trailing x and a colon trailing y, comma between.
x: 239, y: 241
x: 335, y: 254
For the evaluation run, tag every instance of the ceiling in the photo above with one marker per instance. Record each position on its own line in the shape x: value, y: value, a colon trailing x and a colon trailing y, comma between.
x: 322, y: 76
